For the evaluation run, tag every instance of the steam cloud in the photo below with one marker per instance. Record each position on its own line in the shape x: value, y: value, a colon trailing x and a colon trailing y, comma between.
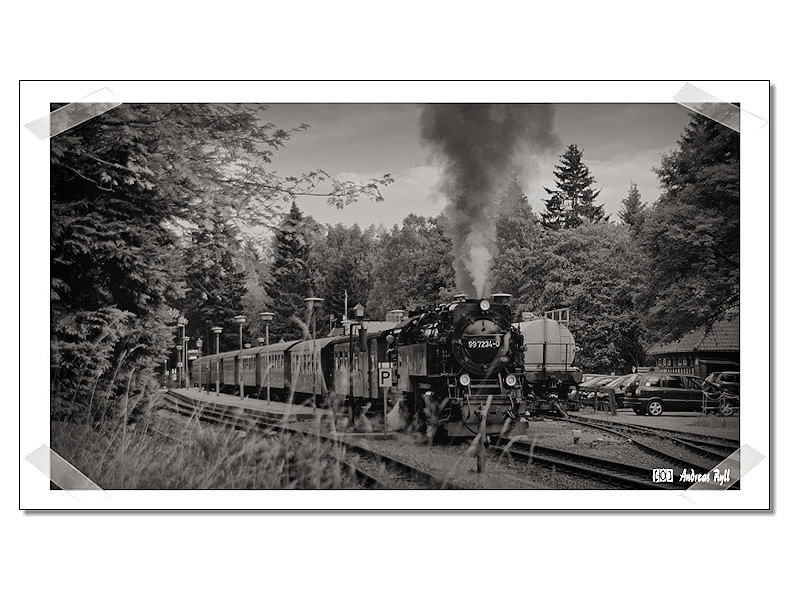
x: 480, y: 145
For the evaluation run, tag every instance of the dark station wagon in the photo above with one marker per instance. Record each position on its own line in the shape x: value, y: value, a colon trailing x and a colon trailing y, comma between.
x: 656, y: 392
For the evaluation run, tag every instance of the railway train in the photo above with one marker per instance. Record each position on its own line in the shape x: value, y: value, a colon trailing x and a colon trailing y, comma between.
x: 445, y: 362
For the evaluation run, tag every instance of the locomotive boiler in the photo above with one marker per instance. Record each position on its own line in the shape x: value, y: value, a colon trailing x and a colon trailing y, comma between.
x: 458, y: 362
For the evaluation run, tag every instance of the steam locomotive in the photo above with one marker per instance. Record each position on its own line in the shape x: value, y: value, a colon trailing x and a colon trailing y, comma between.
x: 458, y: 362
x: 451, y: 365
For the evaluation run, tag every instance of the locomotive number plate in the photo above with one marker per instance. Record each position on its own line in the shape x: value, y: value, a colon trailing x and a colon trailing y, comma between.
x: 484, y: 342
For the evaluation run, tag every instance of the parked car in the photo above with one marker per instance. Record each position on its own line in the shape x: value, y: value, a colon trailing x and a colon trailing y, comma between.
x: 729, y: 381
x: 588, y: 389
x: 618, y: 386
x: 656, y: 392
x: 589, y: 376
x: 590, y: 384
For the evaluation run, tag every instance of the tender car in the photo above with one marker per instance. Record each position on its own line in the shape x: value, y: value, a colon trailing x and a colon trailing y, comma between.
x: 729, y: 381
x: 656, y: 392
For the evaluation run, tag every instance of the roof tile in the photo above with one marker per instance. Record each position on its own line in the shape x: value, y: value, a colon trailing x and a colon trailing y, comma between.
x: 723, y: 336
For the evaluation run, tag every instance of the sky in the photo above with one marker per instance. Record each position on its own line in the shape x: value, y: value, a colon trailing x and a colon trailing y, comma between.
x: 621, y: 143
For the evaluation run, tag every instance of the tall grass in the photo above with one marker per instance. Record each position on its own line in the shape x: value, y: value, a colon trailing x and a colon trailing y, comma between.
x: 159, y: 450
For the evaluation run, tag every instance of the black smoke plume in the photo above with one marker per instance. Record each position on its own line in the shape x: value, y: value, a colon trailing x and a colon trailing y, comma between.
x: 481, y: 146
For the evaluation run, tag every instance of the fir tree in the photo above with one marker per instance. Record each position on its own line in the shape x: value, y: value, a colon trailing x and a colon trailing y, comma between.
x: 573, y: 201
x: 292, y: 277
x: 215, y: 280
x: 633, y: 211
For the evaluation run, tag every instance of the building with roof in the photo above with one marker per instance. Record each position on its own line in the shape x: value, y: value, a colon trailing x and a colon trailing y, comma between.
x: 701, y: 351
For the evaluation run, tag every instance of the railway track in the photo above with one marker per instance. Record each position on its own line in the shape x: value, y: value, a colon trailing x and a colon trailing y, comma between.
x: 722, y: 444
x: 619, y: 474
x: 390, y: 473
x: 703, y: 452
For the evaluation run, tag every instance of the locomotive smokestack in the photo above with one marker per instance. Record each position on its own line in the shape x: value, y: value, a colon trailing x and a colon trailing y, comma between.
x: 479, y: 145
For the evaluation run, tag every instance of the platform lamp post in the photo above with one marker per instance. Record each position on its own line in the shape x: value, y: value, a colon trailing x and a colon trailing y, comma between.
x: 267, y: 317
x: 186, y: 362
x: 313, y: 308
x: 240, y: 320
x: 359, y: 315
x: 199, y: 346
x: 180, y: 363
x: 182, y: 323
x: 217, y: 331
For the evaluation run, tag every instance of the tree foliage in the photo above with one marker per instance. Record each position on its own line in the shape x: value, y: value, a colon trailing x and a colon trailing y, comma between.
x: 293, y: 276
x: 691, y: 236
x: 633, y: 211
x: 127, y: 190
x: 413, y: 266
x: 215, y: 280
x: 348, y: 261
x: 592, y: 270
x: 573, y: 200
x: 516, y: 222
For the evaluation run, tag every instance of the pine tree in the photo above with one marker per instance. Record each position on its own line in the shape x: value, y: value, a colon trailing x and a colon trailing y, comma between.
x: 573, y: 201
x: 633, y: 211
x: 292, y: 276
x: 215, y: 280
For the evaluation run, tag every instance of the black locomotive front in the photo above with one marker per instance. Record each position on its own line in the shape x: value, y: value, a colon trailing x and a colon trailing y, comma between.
x: 456, y: 360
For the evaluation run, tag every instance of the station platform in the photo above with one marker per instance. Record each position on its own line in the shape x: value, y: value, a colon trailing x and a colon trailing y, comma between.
x: 274, y: 409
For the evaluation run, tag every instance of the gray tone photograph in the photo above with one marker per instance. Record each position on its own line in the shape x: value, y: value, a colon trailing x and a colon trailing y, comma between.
x: 360, y: 296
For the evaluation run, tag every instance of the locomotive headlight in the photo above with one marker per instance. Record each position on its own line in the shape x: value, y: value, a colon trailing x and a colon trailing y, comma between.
x: 485, y: 304
x: 465, y: 379
x: 511, y: 380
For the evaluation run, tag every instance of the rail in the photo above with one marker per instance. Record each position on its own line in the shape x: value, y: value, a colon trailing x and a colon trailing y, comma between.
x: 627, y: 430
x: 622, y: 475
